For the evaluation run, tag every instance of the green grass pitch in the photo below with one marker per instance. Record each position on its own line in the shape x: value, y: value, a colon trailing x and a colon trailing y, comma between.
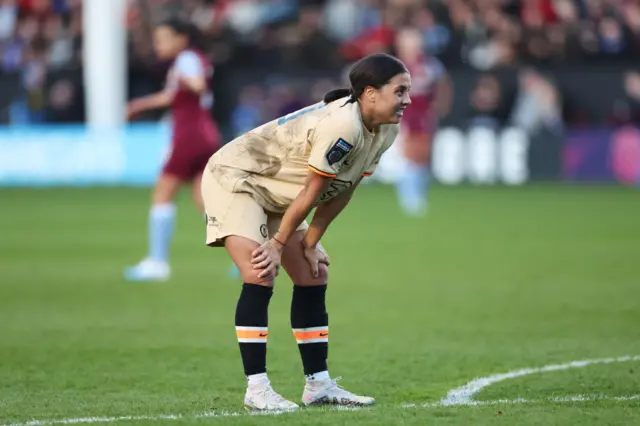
x: 492, y: 280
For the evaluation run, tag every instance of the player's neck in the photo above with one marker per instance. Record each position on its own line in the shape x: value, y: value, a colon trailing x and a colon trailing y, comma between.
x: 369, y: 122
x: 371, y: 126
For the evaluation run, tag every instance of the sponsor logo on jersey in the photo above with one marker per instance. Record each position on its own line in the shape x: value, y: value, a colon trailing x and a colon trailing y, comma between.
x: 338, y: 151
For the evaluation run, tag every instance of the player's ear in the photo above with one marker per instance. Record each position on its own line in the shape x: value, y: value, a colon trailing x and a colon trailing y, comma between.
x: 370, y: 93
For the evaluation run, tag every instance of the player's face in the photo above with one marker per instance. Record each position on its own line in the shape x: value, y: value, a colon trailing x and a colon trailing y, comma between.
x: 167, y: 43
x: 392, y: 99
x: 409, y: 44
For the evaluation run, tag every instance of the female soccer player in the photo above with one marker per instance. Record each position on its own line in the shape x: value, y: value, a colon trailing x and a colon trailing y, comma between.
x: 431, y: 100
x: 195, y: 138
x: 258, y: 190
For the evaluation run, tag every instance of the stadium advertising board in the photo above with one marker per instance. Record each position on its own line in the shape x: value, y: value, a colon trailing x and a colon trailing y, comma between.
x: 481, y: 155
x: 76, y: 156
x: 485, y: 156
x: 603, y: 155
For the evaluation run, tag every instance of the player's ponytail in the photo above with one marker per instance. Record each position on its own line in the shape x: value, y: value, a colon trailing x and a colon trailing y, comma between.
x: 336, y: 94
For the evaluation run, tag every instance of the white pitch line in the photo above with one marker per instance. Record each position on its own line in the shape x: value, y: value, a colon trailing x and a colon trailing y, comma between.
x: 577, y: 398
x: 88, y: 420
x: 457, y: 397
x: 205, y: 415
x: 464, y: 394
x: 223, y: 414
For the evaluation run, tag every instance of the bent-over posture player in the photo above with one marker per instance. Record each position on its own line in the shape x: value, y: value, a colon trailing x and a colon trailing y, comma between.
x: 259, y: 188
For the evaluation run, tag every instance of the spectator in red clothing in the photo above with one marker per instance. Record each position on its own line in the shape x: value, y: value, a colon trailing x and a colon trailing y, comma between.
x: 378, y: 38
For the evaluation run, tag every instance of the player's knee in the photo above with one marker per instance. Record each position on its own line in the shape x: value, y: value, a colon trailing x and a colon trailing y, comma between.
x: 251, y: 276
x: 306, y: 278
x: 323, y: 273
x: 165, y: 189
x: 161, y: 197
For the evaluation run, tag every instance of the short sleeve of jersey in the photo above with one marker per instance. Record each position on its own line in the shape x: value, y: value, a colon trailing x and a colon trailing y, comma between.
x: 331, y: 143
x: 389, y: 139
x: 188, y: 64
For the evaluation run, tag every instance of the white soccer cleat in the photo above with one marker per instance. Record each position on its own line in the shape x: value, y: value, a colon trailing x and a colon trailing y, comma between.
x: 148, y: 270
x: 414, y: 207
x: 264, y: 398
x: 319, y: 392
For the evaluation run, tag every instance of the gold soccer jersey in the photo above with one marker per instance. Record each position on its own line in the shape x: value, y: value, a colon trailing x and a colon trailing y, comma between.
x: 272, y: 161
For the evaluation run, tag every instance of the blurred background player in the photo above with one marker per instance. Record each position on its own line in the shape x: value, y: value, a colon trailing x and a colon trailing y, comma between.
x: 431, y: 98
x: 195, y: 138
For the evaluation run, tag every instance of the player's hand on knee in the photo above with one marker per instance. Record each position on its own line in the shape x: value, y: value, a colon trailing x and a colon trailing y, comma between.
x: 271, y: 276
x: 267, y: 257
x: 315, y: 256
x: 323, y: 257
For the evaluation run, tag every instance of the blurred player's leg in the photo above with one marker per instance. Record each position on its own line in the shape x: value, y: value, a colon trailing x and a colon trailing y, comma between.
x: 412, y: 187
x: 196, y: 192
x: 155, y: 267
x: 310, y: 324
x: 413, y: 181
x: 234, y: 272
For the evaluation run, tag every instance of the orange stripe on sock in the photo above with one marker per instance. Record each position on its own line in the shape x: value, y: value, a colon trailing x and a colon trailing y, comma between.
x: 315, y: 335
x: 252, y: 334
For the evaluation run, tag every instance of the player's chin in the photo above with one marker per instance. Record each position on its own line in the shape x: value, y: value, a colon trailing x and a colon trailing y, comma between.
x: 395, y: 117
x: 163, y: 54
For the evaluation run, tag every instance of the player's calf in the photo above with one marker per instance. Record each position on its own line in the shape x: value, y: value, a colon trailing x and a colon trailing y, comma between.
x: 310, y: 323
x: 252, y: 329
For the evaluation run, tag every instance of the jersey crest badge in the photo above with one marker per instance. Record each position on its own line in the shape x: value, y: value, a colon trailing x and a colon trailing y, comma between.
x: 338, y: 151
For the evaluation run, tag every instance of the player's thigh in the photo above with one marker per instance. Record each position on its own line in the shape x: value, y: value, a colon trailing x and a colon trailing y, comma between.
x: 240, y: 250
x: 166, y: 188
x: 417, y: 147
x: 234, y: 221
x: 179, y: 164
x: 296, y: 265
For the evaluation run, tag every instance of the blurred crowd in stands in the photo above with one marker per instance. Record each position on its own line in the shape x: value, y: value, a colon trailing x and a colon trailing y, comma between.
x: 40, y: 36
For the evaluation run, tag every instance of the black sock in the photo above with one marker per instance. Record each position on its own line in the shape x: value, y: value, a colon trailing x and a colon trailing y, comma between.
x: 310, y: 324
x: 252, y: 327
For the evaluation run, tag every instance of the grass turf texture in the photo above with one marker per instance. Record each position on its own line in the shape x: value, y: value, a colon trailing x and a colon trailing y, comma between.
x: 494, y: 279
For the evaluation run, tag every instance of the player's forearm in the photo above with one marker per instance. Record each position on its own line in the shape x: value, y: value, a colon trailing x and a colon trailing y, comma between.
x: 196, y: 85
x: 324, y: 215
x: 295, y: 214
x: 154, y: 101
